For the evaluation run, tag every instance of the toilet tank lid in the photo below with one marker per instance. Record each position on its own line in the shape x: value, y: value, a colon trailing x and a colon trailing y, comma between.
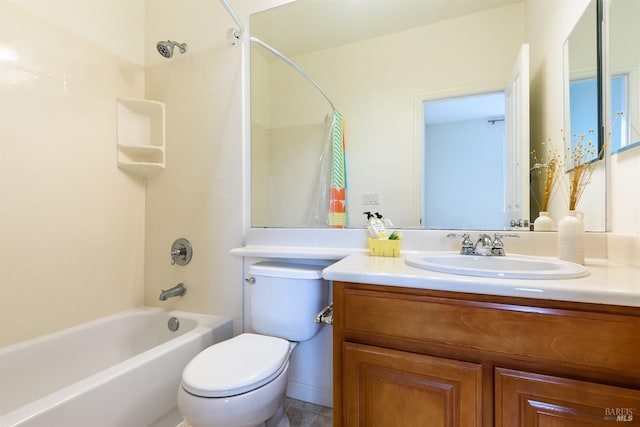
x: 235, y: 366
x: 287, y: 270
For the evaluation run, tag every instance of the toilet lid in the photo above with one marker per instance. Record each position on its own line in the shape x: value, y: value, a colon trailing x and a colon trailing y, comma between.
x: 235, y: 366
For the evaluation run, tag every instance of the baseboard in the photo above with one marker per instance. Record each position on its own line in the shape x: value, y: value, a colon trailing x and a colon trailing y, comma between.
x: 310, y: 393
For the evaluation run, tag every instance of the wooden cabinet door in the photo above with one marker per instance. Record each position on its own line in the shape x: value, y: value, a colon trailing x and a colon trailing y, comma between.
x: 524, y: 399
x: 389, y: 388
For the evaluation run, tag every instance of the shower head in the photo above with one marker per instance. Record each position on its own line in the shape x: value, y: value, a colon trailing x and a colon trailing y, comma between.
x: 166, y: 48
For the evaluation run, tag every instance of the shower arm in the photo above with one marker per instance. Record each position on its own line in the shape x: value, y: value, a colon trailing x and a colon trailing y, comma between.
x: 295, y: 67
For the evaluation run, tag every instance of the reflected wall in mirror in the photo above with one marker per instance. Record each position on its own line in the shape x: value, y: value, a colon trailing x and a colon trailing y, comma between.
x: 624, y: 67
x: 623, y: 48
x: 584, y: 128
x: 378, y: 82
x: 583, y: 84
x: 472, y: 125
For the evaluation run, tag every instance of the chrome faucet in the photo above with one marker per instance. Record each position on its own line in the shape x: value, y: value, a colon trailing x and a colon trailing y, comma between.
x: 484, y: 245
x: 177, y: 291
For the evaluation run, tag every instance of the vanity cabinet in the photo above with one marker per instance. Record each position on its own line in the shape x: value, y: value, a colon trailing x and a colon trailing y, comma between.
x: 413, y: 357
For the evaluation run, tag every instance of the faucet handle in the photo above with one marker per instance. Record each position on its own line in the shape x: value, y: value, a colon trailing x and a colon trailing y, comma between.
x: 175, y: 253
x: 181, y: 252
x: 498, y: 247
x: 467, y: 244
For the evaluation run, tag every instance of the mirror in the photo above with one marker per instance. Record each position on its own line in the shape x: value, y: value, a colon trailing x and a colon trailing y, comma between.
x: 584, y: 126
x: 378, y: 61
x: 583, y: 83
x: 623, y: 165
x: 624, y: 66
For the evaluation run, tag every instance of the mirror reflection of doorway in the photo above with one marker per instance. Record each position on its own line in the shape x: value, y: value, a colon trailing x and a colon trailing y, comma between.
x: 468, y: 132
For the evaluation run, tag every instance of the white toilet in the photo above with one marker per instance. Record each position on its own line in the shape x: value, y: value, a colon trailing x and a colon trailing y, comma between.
x: 241, y: 382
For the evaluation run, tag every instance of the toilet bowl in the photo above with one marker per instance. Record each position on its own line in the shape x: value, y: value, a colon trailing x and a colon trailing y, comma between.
x: 244, y: 391
x: 241, y: 382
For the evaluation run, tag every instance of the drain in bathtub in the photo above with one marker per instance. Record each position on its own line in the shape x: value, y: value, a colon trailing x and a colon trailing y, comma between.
x: 173, y: 324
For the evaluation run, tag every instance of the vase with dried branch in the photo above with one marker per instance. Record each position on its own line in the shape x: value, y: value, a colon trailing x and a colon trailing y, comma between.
x: 547, y: 168
x: 581, y: 159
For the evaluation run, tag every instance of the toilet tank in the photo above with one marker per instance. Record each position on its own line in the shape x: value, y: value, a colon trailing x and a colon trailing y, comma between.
x: 285, y: 297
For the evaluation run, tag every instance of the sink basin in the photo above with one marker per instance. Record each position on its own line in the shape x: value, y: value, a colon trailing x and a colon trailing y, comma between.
x: 504, y: 267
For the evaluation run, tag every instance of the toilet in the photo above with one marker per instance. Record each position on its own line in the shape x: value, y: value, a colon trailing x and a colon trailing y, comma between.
x: 241, y: 382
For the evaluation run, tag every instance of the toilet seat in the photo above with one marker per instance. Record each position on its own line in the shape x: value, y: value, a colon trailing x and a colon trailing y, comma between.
x: 236, y: 366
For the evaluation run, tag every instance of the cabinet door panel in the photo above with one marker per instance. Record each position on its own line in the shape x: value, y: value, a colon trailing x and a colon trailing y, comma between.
x: 524, y: 399
x: 389, y: 388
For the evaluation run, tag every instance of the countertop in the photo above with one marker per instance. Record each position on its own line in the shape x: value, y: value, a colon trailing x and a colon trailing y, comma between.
x: 294, y: 252
x: 607, y: 283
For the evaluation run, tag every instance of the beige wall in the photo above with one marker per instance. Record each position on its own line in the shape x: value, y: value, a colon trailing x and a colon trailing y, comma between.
x: 71, y: 223
x: 199, y: 195
x: 79, y: 238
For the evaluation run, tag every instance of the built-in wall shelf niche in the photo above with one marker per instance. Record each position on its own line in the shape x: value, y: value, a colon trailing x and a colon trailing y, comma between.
x: 141, y: 136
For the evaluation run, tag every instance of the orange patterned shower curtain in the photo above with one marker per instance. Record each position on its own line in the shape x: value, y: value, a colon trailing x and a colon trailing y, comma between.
x: 337, y: 199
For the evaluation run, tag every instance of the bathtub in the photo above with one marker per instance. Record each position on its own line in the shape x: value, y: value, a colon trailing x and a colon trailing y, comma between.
x: 119, y: 371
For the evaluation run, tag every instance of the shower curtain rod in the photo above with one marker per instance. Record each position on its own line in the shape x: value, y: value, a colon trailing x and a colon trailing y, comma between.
x: 295, y: 67
x: 236, y: 33
x: 236, y: 37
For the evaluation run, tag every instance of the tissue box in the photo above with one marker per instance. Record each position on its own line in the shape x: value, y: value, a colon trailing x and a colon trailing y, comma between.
x: 384, y: 247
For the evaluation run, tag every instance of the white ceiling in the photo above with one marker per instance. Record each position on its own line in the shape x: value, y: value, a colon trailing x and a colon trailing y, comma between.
x: 322, y: 24
x: 486, y: 106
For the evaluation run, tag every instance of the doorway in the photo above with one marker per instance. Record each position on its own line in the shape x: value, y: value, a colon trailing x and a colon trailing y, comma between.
x: 464, y: 172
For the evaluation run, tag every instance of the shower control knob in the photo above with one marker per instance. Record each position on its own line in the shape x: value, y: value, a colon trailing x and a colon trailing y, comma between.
x: 181, y: 252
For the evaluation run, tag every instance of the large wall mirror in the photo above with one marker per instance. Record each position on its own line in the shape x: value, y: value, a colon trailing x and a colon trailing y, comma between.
x: 378, y: 67
x: 584, y: 123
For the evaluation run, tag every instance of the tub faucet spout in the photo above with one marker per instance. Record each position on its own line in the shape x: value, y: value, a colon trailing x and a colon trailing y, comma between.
x: 177, y: 291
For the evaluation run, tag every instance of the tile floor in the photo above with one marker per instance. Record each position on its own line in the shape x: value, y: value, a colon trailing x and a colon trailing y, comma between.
x: 304, y: 414
x: 301, y: 414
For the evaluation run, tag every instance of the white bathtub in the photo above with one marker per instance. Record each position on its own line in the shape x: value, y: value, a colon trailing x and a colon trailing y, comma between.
x: 119, y: 371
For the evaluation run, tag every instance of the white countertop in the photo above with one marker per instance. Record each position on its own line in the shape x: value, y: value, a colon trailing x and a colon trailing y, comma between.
x: 294, y: 252
x: 607, y: 283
